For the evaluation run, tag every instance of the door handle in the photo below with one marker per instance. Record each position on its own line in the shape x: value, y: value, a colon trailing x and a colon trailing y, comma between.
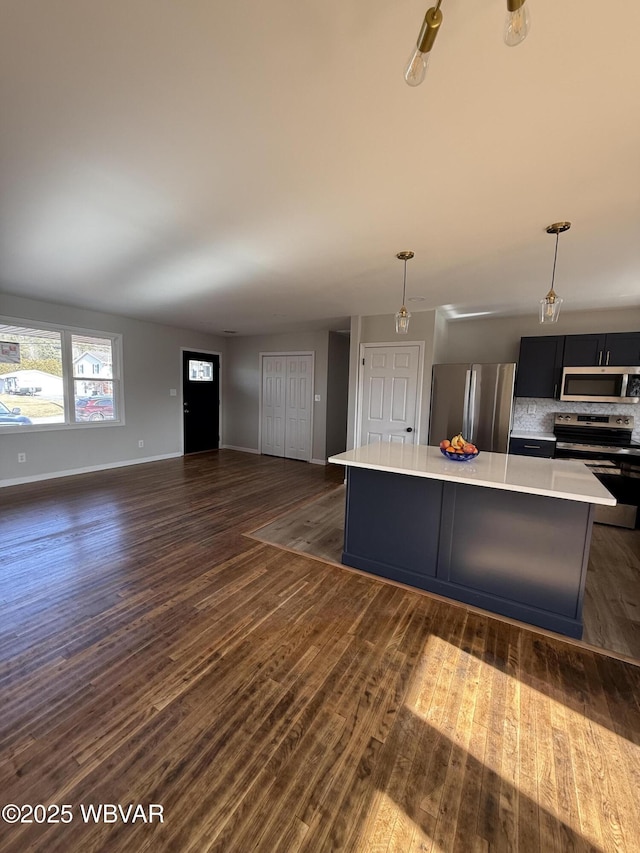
x: 471, y: 425
x: 409, y: 429
x: 465, y: 408
x: 608, y: 354
x: 599, y: 358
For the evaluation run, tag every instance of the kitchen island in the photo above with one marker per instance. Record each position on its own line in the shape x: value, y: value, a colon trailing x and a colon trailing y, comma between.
x: 510, y: 534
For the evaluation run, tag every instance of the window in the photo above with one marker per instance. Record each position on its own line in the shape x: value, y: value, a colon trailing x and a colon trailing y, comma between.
x: 200, y: 371
x: 58, y: 377
x: 93, y: 398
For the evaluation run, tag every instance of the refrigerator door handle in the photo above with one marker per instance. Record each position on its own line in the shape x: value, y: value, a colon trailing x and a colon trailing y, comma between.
x: 465, y: 409
x: 470, y: 434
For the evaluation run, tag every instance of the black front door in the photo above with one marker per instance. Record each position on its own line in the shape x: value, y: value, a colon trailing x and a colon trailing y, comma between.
x: 201, y: 401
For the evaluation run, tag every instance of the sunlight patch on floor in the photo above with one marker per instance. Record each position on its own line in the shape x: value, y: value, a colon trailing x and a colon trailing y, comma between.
x: 390, y: 830
x: 531, y: 750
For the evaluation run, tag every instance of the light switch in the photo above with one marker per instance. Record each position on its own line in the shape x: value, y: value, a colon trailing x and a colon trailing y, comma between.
x: 173, y: 392
x: 317, y: 398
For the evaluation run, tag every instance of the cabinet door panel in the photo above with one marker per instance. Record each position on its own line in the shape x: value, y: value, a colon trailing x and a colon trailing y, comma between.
x: 540, y: 366
x: 584, y: 350
x: 622, y: 349
x: 394, y: 520
x: 547, y: 574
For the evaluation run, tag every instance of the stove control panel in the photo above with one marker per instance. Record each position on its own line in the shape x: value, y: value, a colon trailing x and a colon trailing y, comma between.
x: 607, y: 421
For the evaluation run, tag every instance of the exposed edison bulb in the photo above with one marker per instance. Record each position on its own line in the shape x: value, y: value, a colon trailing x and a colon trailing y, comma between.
x: 402, y: 321
x: 416, y: 68
x: 516, y: 27
x: 550, y: 308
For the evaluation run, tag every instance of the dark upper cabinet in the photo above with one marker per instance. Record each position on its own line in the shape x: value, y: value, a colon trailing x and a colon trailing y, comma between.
x: 540, y: 366
x: 617, y: 349
x: 583, y: 350
x: 622, y: 349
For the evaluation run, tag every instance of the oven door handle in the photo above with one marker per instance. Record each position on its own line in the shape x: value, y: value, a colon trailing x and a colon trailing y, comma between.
x: 595, y: 448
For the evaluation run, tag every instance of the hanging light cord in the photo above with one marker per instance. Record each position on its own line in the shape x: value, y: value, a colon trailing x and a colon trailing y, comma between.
x: 555, y: 258
x: 404, y: 283
x: 438, y: 5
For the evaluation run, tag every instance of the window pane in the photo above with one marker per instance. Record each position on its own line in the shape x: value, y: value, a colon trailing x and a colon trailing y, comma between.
x: 200, y: 371
x: 93, y: 371
x: 32, y: 379
x: 93, y: 400
x: 92, y: 356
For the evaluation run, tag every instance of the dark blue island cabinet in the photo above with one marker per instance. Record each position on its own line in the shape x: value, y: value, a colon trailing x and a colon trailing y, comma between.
x: 507, y: 551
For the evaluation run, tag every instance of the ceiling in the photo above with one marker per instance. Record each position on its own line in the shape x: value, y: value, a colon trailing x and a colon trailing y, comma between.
x: 255, y: 166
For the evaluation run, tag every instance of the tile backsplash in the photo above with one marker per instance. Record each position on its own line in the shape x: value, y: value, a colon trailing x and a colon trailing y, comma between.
x: 545, y: 411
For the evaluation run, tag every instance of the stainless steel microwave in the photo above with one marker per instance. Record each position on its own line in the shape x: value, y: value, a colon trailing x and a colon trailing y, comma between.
x: 601, y: 384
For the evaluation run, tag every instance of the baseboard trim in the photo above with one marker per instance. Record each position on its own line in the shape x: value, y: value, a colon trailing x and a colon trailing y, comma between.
x: 71, y: 472
x: 240, y: 449
x: 318, y: 461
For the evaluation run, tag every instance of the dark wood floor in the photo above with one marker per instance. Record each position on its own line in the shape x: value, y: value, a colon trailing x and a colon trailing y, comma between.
x: 151, y: 653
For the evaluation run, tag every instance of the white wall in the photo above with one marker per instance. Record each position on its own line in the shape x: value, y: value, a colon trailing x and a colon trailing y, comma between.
x: 151, y: 366
x: 242, y: 386
x: 498, y: 339
x: 441, y: 338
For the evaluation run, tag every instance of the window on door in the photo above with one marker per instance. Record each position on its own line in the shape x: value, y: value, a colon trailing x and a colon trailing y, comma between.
x: 200, y: 371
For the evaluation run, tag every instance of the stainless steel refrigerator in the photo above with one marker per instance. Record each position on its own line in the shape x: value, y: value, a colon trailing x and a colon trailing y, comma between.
x: 474, y: 399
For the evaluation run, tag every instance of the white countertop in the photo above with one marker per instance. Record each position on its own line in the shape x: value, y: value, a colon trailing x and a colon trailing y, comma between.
x: 554, y: 478
x: 533, y: 435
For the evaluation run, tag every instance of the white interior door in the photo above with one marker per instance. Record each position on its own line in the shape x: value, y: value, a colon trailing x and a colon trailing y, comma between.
x: 298, y: 408
x: 389, y: 394
x: 273, y: 404
x: 287, y: 389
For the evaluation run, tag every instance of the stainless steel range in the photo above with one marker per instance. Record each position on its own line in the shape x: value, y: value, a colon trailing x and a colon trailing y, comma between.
x: 589, y: 435
x: 604, y: 443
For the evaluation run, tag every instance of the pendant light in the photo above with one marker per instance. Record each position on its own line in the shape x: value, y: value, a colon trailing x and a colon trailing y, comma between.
x: 403, y: 316
x: 516, y: 27
x: 416, y: 68
x: 550, y: 305
x: 516, y: 30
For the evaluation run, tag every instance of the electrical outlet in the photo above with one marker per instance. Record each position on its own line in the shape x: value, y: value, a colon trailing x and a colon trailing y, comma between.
x: 141, y: 443
x: 22, y: 457
x: 531, y: 409
x: 173, y: 392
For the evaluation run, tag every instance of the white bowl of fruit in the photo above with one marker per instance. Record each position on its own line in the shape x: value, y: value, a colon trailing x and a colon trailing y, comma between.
x: 458, y: 449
